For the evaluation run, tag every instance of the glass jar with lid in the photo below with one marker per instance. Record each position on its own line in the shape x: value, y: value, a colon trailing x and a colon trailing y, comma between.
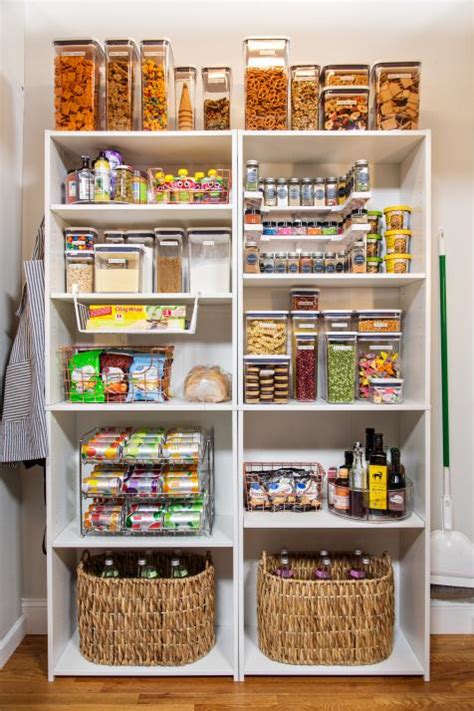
x: 282, y: 192
x: 318, y: 262
x: 270, y: 194
x: 304, y: 97
x: 78, y: 67
x: 169, y: 261
x: 330, y: 262
x: 122, y: 85
x: 306, y: 262
x: 361, y: 176
x: 341, y: 260
x: 156, y: 61
x: 294, y: 192
x: 252, y: 176
x: 185, y: 97
x: 216, y: 96
x: 123, y: 184
x: 298, y: 228
x: 358, y: 258
x: 293, y: 262
x: 280, y: 262
x: 267, y: 262
x: 341, y: 189
x: 319, y: 192
x: 307, y: 195
x: 331, y: 191
x: 139, y: 188
x: 359, y: 216
x: 251, y: 258
x: 266, y: 83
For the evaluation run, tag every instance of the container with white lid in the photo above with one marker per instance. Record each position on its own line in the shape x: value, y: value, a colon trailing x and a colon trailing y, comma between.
x: 379, y: 320
x: 79, y: 271
x: 114, y: 236
x: 117, y: 268
x: 378, y: 356
x: 386, y: 391
x: 147, y: 239
x: 305, y: 299
x: 305, y: 321
x: 209, y: 260
x: 80, y: 238
x: 169, y: 245
x: 337, y: 319
x: 266, y: 332
x: 340, y: 366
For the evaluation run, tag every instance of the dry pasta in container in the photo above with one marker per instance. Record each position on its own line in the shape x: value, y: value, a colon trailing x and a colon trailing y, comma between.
x: 266, y: 332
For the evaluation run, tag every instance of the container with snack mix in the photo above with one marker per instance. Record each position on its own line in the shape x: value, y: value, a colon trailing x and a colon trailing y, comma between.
x: 156, y: 59
x: 305, y: 97
x: 344, y: 109
x: 216, y: 98
x: 345, y: 75
x: 397, y: 263
x: 397, y: 217
x: 78, y: 68
x: 122, y: 85
x: 396, y: 95
x: 397, y: 241
x: 266, y: 83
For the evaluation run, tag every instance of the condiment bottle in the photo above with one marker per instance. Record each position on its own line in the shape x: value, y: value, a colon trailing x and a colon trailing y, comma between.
x: 378, y: 485
x: 342, y: 492
x: 358, y: 483
x: 396, y: 486
x: 102, y: 179
x: 85, y: 181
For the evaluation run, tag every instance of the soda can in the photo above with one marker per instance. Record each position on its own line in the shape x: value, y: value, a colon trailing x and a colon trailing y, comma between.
x: 142, y: 451
x: 110, y: 521
x: 183, y: 520
x: 143, y: 485
x: 102, y: 485
x: 144, y: 522
x: 184, y: 506
x: 180, y: 472
x: 147, y: 508
x: 181, y: 485
x: 101, y: 450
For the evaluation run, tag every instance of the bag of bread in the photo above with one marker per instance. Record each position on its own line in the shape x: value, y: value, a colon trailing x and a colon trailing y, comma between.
x: 207, y: 384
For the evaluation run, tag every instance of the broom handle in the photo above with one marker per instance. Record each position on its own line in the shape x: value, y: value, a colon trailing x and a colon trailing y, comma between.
x: 444, y: 348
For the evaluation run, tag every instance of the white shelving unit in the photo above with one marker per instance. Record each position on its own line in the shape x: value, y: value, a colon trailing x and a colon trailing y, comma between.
x: 400, y: 172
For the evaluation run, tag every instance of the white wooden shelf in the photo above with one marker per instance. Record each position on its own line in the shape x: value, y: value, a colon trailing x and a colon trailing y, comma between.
x: 403, y: 660
x: 113, y: 298
x: 320, y: 519
x: 331, y: 280
x: 221, y: 537
x: 219, y: 662
x: 174, y: 405
x: 323, y: 406
x: 353, y: 201
x: 116, y: 215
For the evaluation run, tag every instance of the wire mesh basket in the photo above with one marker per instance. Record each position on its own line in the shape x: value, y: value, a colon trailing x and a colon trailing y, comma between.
x: 283, y: 486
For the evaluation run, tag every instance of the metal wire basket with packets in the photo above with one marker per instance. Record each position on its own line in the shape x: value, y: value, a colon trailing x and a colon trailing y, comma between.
x: 283, y: 486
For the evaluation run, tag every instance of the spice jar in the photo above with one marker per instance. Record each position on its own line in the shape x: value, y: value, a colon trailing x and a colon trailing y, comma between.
x: 318, y: 262
x: 331, y: 191
x: 293, y: 262
x: 282, y: 192
x: 216, y: 94
x: 252, y: 176
x: 169, y: 261
x: 79, y: 272
x: 270, y: 193
x: 252, y: 216
x: 341, y: 262
x: 359, y: 216
x: 284, y: 228
x: 306, y: 263
x: 307, y: 197
x: 139, y: 188
x: 269, y: 228
x: 267, y: 262
x: 361, y: 177
x: 251, y: 258
x: 372, y: 244
x: 330, y: 262
x: 319, y: 189
x: 280, y: 263
x: 374, y: 218
x: 123, y: 183
x: 299, y: 228
x: 358, y: 258
x: 294, y: 192
x: 341, y: 189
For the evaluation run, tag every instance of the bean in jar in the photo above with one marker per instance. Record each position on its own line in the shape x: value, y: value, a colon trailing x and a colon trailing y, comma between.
x: 306, y: 360
x: 341, y: 368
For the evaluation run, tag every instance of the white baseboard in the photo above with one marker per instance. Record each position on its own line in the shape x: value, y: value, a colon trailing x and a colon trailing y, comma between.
x: 452, y: 617
x: 35, y: 612
x: 11, y: 640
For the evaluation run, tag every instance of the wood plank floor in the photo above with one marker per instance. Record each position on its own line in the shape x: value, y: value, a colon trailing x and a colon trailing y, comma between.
x: 24, y: 687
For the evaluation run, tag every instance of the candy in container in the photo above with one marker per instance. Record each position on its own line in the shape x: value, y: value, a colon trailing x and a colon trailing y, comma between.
x: 156, y: 59
x: 386, y: 391
x: 378, y: 357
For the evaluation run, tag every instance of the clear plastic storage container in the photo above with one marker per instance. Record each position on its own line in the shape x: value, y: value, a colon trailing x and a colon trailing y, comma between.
x: 396, y: 95
x: 266, y: 83
x: 216, y: 83
x: 266, y: 379
x: 169, y: 261
x: 79, y: 272
x: 345, y: 75
x: 114, y: 236
x: 305, y: 366
x: 266, y: 332
x: 156, y: 60
x: 304, y: 321
x: 80, y: 239
x: 117, y: 268
x: 209, y: 260
x: 340, y: 367
x: 145, y: 238
x: 185, y: 98
x: 122, y: 86
x: 78, y: 72
x: 387, y: 391
x: 304, y: 299
x: 337, y: 320
x: 305, y: 97
x: 378, y: 356
x: 345, y: 109
x: 379, y: 320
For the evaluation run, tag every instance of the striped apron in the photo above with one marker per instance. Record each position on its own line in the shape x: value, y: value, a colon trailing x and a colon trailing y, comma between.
x: 23, y: 434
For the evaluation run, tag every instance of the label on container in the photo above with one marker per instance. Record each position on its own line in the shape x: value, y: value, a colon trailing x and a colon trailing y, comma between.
x: 116, y: 261
x: 396, y: 500
x: 378, y: 487
x: 399, y: 76
x: 346, y: 77
x: 169, y: 244
x: 346, y: 102
x: 73, y: 54
x: 293, y: 268
x: 384, y: 347
x: 341, y: 498
x: 306, y: 325
x: 341, y: 348
x: 208, y: 243
x: 118, y: 54
x: 305, y: 348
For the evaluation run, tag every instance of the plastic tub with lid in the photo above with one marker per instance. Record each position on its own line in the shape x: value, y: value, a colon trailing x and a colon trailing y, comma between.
x: 337, y: 319
x: 379, y: 320
x: 266, y: 83
x: 266, y: 332
x: 209, y: 260
x: 147, y: 239
x: 117, y: 268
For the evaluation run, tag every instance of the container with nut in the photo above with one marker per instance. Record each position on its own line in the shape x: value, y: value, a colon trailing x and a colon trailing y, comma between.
x: 304, y: 97
x: 79, y: 271
x: 169, y: 260
x: 396, y: 92
x: 266, y: 332
x: 266, y: 379
x: 379, y: 320
x: 216, y: 98
x: 344, y: 109
x: 266, y: 83
x: 345, y: 75
x: 156, y: 59
x: 122, y: 85
x: 78, y: 66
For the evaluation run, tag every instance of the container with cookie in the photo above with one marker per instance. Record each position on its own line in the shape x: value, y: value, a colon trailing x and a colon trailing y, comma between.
x: 156, y: 60
x: 396, y: 95
x: 266, y: 379
x: 122, y: 85
x: 266, y: 83
x: 345, y: 109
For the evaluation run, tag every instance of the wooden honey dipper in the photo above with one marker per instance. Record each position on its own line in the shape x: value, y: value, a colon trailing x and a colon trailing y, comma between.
x: 185, y: 113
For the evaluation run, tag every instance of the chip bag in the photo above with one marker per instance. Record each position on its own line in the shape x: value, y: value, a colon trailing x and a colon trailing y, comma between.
x: 146, y: 378
x: 85, y: 383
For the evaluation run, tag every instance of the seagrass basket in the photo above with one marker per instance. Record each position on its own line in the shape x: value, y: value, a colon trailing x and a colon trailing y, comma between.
x: 136, y: 622
x: 337, y: 621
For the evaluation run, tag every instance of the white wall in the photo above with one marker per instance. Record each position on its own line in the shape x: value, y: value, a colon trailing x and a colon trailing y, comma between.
x: 11, y: 143
x: 323, y: 31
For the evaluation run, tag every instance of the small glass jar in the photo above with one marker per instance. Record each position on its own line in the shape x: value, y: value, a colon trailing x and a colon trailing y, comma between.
x: 372, y: 243
x: 311, y: 229
x: 358, y: 258
x: 318, y: 262
x: 267, y: 262
x: 330, y: 262
x: 375, y: 220
x: 294, y: 192
x: 252, y: 169
x: 306, y: 262
x: 282, y: 192
x: 280, y: 263
x: 331, y: 191
x: 361, y: 176
x: 251, y: 258
x: 124, y: 184
x: 284, y: 229
x: 341, y: 262
x: 307, y: 197
x: 252, y: 216
x: 270, y: 194
x: 298, y: 228
x: 261, y: 185
x: 341, y: 189
x: 139, y: 188
x: 185, y: 91
x: 359, y: 216
x: 216, y: 96
x: 319, y: 192
x: 293, y: 262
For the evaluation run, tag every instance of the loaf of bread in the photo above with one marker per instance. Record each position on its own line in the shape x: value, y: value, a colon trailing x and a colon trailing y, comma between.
x: 207, y: 384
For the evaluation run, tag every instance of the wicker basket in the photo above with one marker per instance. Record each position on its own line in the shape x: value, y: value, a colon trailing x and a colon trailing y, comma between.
x: 130, y: 621
x: 338, y: 621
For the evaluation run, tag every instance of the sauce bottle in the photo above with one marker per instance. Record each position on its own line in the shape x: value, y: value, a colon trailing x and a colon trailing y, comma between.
x: 341, y: 492
x: 396, y: 487
x: 358, y: 483
x: 102, y: 179
x: 378, y: 479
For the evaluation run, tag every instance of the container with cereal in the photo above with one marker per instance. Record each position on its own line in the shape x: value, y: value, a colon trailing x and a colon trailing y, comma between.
x: 397, y: 263
x: 78, y: 68
x: 266, y: 83
x: 122, y: 85
x: 156, y: 59
x: 345, y: 75
x: 79, y: 271
x: 397, y: 217
x: 305, y: 97
x: 344, y: 109
x: 266, y: 332
x: 397, y: 241
x: 396, y: 95
x: 379, y: 320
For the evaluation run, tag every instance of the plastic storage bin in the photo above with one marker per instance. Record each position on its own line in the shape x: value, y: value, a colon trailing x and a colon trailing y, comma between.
x: 114, y: 236
x: 304, y: 321
x: 117, y: 268
x: 305, y: 97
x: 79, y: 272
x: 396, y: 95
x: 185, y: 97
x: 147, y: 240
x: 122, y: 98
x: 386, y: 391
x: 266, y: 332
x: 80, y: 239
x: 169, y: 261
x: 397, y: 263
x: 345, y: 109
x: 378, y: 356
x: 156, y: 60
x: 379, y: 320
x: 345, y: 75
x: 337, y: 320
x: 266, y: 83
x: 266, y: 379
x: 209, y: 260
x: 216, y: 84
x: 78, y: 69
x: 340, y: 367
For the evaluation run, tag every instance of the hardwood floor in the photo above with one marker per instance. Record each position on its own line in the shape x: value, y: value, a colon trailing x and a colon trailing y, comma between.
x: 24, y: 687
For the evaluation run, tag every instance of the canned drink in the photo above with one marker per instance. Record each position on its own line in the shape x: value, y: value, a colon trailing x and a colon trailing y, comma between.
x: 189, y: 450
x: 182, y: 507
x: 143, y: 485
x: 145, y: 521
x: 102, y: 485
x: 110, y: 521
x: 181, y: 485
x: 180, y: 472
x: 147, y: 508
x: 109, y: 451
x: 142, y: 451
x: 182, y: 520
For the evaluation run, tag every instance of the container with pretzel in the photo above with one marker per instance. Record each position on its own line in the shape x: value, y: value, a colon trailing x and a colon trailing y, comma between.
x: 266, y: 83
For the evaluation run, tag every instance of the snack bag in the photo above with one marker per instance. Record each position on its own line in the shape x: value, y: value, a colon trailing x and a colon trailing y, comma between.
x: 114, y: 368
x: 84, y: 377
x: 145, y: 379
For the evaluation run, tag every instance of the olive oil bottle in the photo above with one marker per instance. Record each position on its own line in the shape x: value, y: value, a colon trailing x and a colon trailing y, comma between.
x: 378, y: 479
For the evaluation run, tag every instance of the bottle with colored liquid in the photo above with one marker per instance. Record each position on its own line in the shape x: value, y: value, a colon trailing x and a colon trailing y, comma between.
x: 378, y: 479
x: 178, y: 569
x: 341, y: 485
x: 284, y: 570
x: 110, y: 569
x: 358, y: 483
x: 102, y: 182
x: 323, y: 571
x: 396, y: 486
